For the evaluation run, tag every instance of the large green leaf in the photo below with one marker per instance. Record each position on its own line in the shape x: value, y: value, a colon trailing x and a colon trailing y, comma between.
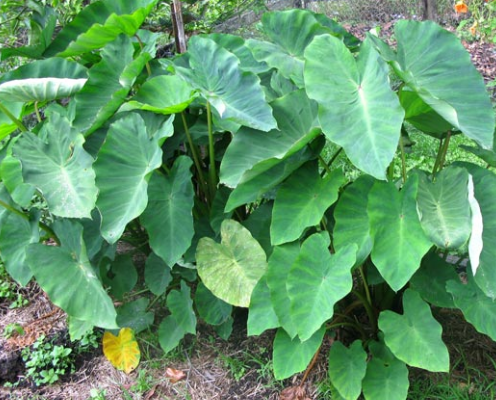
x: 157, y: 274
x: 134, y: 315
x: 278, y: 267
x: 123, y: 167
x: 99, y: 23
x: 261, y: 315
x: 108, y: 85
x: 302, y: 200
x: 213, y: 310
x: 40, y: 89
x: 431, y: 278
x: 357, y: 108
x: 485, y: 191
x: 168, y: 217
x: 288, y: 43
x: 59, y: 167
x: 53, y: 68
x: 291, y: 355
x: 477, y: 308
x: 433, y: 62
x: 121, y: 276
x: 164, y: 94
x: 170, y: 333
x: 235, y: 94
x: 181, y: 308
x: 16, y: 233
x: 260, y: 180
x: 296, y: 117
x: 317, y: 281
x: 399, y: 242
x: 66, y: 274
x: 415, y: 336
x: 258, y: 223
x: 444, y: 208
x: 347, y: 368
x: 231, y: 269
x: 386, y: 377
x: 352, y: 220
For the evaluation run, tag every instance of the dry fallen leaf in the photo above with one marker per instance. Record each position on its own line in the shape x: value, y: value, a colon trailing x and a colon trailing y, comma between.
x: 174, y: 375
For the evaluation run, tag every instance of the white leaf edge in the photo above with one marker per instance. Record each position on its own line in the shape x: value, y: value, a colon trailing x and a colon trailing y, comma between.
x: 475, y: 244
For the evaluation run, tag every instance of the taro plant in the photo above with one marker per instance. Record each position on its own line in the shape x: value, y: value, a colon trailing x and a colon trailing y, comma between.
x: 211, y: 165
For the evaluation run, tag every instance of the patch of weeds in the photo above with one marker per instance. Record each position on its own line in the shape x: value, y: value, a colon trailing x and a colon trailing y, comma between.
x: 10, y: 291
x: 144, y: 382
x: 236, y: 366
x: 13, y: 329
x: 97, y: 394
x: 46, y: 363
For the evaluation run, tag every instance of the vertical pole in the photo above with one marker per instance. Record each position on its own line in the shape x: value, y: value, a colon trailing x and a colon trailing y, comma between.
x: 178, y: 26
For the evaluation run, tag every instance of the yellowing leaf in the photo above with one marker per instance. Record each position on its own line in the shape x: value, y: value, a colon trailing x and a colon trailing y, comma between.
x: 122, y: 350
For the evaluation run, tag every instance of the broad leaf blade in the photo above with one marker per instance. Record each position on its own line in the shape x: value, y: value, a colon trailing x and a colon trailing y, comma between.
x: 134, y: 315
x: 67, y: 180
x: 235, y: 94
x: 301, y: 201
x: 157, y: 274
x: 123, y: 191
x: 261, y: 315
x: 317, y: 281
x: 399, y: 242
x: 168, y: 217
x: 66, y: 274
x: 213, y: 310
x: 231, y: 269
x: 415, y: 336
x: 357, y: 108
x: 122, y: 350
x: 181, y: 308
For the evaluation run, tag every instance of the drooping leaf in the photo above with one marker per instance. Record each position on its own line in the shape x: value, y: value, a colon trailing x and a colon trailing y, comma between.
x: 225, y: 329
x: 134, y: 315
x: 317, y: 281
x: 296, y: 117
x: 285, y: 50
x: 123, y: 191
x: 122, y: 350
x: 291, y: 355
x: 122, y: 276
x: 231, y: 269
x: 444, y: 208
x: 431, y: 278
x: 278, y: 268
x: 301, y: 201
x: 258, y: 223
x: 415, y: 336
x: 107, y: 86
x: 67, y: 276
x: 78, y: 328
x: 234, y: 93
x: 352, y: 221
x: 164, y: 94
x: 431, y: 61
x: 213, y: 310
x: 168, y: 218
x: 386, y: 377
x: 7, y: 126
x: 157, y: 274
x: 11, y: 172
x: 347, y: 369
x: 181, y: 308
x: 261, y: 315
x: 99, y: 23
x: 357, y: 108
x: 399, y: 242
x: 477, y: 308
x: 484, y: 192
x: 67, y: 180
x: 170, y: 333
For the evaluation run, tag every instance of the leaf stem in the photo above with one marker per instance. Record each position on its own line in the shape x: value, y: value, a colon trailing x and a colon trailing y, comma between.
x: 194, y: 154
x: 37, y: 111
x: 211, y: 154
x: 310, y: 366
x: 333, y: 158
x: 13, y: 119
x: 351, y: 325
x: 403, y: 160
x: 368, y: 309
x: 325, y: 166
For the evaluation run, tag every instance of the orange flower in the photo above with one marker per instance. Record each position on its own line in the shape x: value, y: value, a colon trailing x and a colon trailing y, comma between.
x: 461, y: 7
x: 473, y: 28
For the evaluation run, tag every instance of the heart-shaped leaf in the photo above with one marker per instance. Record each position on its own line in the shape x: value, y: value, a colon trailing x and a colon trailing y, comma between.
x: 358, y: 88
x: 399, y: 242
x: 317, y: 281
x: 415, y: 336
x: 157, y: 274
x: 134, y: 315
x: 261, y: 315
x: 213, y: 310
x: 122, y: 350
x: 231, y: 269
x: 301, y: 201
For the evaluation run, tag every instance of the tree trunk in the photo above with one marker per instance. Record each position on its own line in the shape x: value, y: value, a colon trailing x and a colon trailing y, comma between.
x: 429, y: 8
x: 178, y: 26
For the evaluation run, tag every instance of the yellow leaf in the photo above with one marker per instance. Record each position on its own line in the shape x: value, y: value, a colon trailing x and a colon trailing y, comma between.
x: 122, y: 350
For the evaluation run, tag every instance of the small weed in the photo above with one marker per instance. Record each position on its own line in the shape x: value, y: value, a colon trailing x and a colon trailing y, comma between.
x: 237, y: 367
x: 9, y: 290
x: 97, y: 394
x: 11, y: 329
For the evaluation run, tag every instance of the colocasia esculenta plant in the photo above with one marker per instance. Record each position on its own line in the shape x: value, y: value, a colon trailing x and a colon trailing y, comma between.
x: 214, y: 165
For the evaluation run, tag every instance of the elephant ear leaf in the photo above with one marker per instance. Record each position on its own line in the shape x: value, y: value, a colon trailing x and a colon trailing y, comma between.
x: 122, y: 351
